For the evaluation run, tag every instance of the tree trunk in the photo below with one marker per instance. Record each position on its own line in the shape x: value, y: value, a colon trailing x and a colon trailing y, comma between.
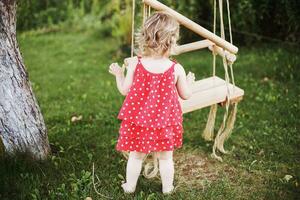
x: 22, y: 127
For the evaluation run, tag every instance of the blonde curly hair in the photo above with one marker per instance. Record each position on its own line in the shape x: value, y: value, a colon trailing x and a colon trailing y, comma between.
x: 158, y: 35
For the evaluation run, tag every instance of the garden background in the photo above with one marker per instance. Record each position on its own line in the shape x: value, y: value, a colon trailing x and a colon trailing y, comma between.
x: 67, y: 47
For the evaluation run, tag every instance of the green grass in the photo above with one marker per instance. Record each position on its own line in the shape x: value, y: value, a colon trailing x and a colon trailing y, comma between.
x: 69, y: 75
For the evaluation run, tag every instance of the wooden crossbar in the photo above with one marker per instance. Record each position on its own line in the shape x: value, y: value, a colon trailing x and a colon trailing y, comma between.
x: 193, y: 26
x: 192, y: 46
x: 209, y: 91
x: 229, y: 56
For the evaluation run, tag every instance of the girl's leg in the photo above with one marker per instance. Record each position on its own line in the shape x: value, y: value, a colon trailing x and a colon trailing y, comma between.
x: 166, y: 170
x: 133, y: 170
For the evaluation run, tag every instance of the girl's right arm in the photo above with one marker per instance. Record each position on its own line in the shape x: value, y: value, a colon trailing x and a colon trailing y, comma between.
x: 184, y: 82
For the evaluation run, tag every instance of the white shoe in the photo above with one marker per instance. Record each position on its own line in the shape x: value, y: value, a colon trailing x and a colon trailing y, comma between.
x: 168, y: 190
x: 127, y: 188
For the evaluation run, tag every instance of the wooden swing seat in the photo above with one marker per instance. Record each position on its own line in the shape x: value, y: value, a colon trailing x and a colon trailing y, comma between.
x: 209, y: 91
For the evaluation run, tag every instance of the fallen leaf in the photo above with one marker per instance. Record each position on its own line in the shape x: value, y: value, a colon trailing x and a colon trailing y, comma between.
x: 287, y: 177
x: 76, y: 118
x: 265, y: 79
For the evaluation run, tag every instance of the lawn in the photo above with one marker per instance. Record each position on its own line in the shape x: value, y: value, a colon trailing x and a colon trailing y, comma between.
x: 69, y: 75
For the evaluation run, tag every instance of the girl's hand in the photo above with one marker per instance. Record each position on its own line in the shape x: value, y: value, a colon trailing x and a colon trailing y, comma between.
x: 116, y: 70
x: 190, y: 78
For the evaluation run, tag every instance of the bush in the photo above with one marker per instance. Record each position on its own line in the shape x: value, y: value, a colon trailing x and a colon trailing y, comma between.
x: 252, y: 20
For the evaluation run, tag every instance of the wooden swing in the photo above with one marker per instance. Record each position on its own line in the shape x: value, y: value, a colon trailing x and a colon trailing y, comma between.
x: 209, y: 91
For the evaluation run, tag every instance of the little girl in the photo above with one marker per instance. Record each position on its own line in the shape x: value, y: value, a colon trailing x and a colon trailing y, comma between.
x: 151, y: 114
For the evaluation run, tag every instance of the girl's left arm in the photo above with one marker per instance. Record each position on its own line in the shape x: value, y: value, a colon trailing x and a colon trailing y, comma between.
x: 123, y: 82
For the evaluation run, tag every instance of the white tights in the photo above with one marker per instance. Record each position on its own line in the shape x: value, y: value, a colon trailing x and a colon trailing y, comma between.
x: 133, y: 170
x: 134, y: 167
x: 166, y: 170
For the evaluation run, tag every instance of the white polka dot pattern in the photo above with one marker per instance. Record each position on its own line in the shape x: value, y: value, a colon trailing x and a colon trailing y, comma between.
x: 151, y: 114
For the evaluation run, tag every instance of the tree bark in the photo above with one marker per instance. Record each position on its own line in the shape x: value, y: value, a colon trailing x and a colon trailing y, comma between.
x: 22, y: 127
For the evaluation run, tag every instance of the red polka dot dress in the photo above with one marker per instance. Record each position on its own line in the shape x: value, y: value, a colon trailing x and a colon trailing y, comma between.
x: 151, y: 114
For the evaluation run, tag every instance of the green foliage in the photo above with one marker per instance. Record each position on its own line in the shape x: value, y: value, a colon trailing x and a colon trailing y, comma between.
x: 252, y: 20
x: 40, y: 13
x: 116, y: 18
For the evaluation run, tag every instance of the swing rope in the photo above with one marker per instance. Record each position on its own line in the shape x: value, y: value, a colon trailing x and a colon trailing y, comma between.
x: 232, y: 116
x: 228, y: 119
x: 231, y: 40
x: 144, y: 13
x: 149, y: 11
x: 223, y: 124
x: 132, y: 27
x: 208, y: 132
x: 214, y: 30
